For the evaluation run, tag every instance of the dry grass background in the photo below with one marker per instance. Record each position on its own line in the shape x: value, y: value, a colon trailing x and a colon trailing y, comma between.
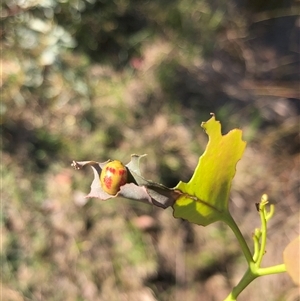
x: 57, y: 246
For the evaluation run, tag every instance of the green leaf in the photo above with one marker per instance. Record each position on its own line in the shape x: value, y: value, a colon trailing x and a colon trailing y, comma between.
x: 204, y: 198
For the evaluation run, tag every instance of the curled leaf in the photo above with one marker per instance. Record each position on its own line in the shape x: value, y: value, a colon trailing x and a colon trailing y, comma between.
x: 137, y: 187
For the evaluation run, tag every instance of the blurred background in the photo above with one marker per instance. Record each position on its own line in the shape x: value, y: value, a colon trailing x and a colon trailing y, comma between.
x: 98, y: 80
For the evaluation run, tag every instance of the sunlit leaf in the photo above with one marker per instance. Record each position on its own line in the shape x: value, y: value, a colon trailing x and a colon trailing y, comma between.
x: 204, y: 198
x: 291, y: 258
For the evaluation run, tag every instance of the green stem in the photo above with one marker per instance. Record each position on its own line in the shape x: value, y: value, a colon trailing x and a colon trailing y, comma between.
x: 276, y: 269
x: 245, y: 281
x: 252, y: 273
x: 262, y: 213
x: 256, y: 247
x: 228, y: 219
x: 254, y: 270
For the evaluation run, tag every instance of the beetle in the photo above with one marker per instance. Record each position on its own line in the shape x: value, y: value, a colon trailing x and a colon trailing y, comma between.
x: 113, y: 176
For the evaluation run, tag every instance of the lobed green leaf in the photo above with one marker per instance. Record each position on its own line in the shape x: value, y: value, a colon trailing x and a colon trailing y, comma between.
x: 204, y: 198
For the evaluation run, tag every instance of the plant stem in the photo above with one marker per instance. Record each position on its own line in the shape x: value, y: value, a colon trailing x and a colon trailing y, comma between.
x: 262, y: 213
x: 228, y: 219
x: 252, y: 273
x: 276, y: 269
x: 254, y: 270
x: 249, y: 276
x: 244, y: 282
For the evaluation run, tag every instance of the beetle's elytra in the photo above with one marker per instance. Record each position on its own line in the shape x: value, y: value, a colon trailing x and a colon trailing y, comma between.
x: 113, y: 176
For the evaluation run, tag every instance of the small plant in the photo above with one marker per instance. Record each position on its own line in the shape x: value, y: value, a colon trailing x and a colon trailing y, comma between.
x: 203, y: 200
